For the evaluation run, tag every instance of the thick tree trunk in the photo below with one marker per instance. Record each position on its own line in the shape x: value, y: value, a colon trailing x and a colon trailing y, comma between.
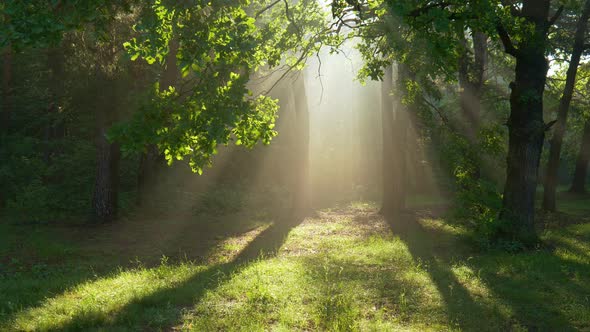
x: 562, y: 113
x: 393, y: 156
x: 105, y: 198
x: 581, y: 171
x: 301, y: 203
x: 526, y: 128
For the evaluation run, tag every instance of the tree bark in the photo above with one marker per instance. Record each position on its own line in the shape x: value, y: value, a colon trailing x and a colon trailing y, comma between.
x: 471, y: 82
x: 526, y: 128
x: 106, y: 184
x: 581, y: 171
x: 564, y: 104
x: 301, y: 202
x: 393, y: 156
x: 105, y: 198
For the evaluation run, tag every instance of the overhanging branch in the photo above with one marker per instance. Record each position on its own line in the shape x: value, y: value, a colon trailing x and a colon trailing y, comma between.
x: 555, y: 16
x: 506, y: 41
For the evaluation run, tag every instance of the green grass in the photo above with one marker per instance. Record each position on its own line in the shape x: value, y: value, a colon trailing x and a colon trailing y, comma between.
x: 345, y: 269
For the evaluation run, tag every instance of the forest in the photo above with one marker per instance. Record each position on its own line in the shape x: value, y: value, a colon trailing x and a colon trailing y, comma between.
x: 294, y: 165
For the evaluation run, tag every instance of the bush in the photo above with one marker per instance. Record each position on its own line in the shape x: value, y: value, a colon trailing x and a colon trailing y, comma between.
x: 478, y: 204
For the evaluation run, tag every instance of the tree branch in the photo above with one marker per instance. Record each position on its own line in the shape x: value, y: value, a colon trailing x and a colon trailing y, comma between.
x: 556, y: 15
x: 422, y: 10
x: 506, y: 41
x: 266, y: 8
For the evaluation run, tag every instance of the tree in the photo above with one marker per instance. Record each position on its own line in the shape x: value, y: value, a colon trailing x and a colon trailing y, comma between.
x: 525, y: 125
x: 562, y: 113
x: 301, y: 204
x: 471, y: 78
x: 394, y: 134
x: 389, y: 206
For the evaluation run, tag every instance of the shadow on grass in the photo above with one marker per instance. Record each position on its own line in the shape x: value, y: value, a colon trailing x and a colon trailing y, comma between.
x: 35, y: 279
x: 170, y: 303
x: 528, y: 290
x: 422, y: 244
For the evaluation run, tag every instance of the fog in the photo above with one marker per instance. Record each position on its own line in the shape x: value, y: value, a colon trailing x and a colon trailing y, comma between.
x: 345, y: 143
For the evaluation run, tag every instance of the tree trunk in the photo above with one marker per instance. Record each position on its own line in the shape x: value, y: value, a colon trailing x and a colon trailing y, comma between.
x: 564, y: 104
x: 301, y: 204
x: 581, y: 171
x: 471, y: 79
x: 105, y: 198
x: 392, y: 200
x: 400, y: 144
x: 526, y: 128
x: 106, y: 183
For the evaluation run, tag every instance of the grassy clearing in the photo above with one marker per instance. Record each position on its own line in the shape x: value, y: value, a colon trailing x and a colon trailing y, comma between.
x: 344, y: 269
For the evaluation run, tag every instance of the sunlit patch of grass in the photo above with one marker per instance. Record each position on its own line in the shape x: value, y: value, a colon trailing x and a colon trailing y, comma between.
x: 228, y: 249
x: 99, y: 302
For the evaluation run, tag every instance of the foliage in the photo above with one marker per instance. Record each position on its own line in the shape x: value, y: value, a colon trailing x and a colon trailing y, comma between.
x: 40, y: 24
x: 220, y: 46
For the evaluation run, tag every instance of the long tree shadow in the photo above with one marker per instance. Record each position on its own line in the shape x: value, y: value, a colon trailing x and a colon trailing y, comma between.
x: 527, y: 302
x: 173, y: 300
x: 422, y: 244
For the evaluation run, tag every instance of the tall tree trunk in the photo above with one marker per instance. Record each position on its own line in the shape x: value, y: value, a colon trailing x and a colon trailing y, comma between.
x: 526, y: 128
x: 301, y: 204
x: 400, y: 144
x: 471, y: 81
x: 105, y: 198
x: 564, y: 104
x: 106, y: 183
x: 581, y: 171
x: 393, y: 157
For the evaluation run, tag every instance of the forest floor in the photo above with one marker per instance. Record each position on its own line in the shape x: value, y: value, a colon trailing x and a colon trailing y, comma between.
x: 345, y: 268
